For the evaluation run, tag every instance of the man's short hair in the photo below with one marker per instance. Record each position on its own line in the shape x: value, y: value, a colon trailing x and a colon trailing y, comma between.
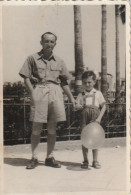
x: 88, y: 74
x: 48, y: 33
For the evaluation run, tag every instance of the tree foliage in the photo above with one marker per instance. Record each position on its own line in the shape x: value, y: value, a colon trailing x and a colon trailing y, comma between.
x: 17, y: 128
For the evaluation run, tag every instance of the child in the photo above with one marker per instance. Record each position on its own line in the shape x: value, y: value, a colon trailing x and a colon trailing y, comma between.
x: 90, y: 101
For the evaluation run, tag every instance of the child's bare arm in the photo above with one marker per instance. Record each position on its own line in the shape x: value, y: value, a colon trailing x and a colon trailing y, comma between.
x: 101, y: 114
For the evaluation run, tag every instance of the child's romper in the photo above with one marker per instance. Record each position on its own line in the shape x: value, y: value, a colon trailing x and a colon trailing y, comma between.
x: 91, y: 102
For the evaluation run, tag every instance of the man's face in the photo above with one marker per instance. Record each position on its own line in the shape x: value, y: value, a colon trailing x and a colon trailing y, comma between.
x: 48, y: 43
x: 88, y: 83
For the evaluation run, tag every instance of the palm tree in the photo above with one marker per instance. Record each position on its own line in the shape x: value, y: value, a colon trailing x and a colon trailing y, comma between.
x: 119, y: 10
x: 122, y: 11
x: 103, y: 53
x: 117, y: 55
x: 79, y: 67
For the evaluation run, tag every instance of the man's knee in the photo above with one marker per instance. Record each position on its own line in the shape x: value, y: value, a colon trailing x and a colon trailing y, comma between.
x: 51, y: 127
x: 36, y: 128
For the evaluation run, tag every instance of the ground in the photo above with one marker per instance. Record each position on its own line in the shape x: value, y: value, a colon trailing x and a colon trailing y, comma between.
x: 111, y: 178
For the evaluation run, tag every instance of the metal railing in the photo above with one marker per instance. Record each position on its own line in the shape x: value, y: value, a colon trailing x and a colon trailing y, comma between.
x: 17, y: 128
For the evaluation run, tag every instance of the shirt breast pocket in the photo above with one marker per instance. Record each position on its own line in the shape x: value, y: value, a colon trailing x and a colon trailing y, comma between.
x: 55, y: 67
x: 41, y: 72
x: 55, y: 70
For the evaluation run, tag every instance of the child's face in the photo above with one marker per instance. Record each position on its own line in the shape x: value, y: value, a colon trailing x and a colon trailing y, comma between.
x: 88, y: 83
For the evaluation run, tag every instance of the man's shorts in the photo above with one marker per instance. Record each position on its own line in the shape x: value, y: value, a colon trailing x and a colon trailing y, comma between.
x: 47, y: 104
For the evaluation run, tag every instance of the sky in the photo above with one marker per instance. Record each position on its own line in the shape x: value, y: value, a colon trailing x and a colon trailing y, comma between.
x: 24, y: 25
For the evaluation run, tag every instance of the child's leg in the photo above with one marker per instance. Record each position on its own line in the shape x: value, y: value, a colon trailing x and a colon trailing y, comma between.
x: 85, y: 156
x: 95, y: 154
x: 95, y: 163
x: 84, y: 150
x: 85, y: 153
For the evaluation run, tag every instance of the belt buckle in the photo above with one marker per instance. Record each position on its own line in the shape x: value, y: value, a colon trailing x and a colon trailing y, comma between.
x: 43, y: 83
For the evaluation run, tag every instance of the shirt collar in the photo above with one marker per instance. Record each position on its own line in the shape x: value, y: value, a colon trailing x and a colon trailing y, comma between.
x: 40, y: 56
x: 91, y: 92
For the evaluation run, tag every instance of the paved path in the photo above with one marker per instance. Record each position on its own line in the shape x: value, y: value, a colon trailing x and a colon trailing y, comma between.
x: 69, y: 178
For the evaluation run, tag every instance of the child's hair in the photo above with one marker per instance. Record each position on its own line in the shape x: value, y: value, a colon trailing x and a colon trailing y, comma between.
x: 87, y: 74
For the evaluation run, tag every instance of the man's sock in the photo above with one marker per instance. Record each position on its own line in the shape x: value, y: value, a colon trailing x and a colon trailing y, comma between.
x: 51, y: 139
x: 35, y: 139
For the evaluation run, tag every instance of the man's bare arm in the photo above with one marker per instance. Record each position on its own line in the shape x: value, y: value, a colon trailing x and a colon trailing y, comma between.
x: 28, y: 84
x: 69, y: 94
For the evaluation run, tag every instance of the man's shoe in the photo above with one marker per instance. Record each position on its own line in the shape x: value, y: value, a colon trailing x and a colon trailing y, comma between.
x: 51, y: 162
x: 32, y: 164
x: 85, y: 165
x: 96, y: 165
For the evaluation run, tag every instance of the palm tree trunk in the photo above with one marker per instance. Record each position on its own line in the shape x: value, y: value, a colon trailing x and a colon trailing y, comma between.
x: 122, y: 10
x: 103, y: 53
x: 117, y: 55
x: 79, y: 68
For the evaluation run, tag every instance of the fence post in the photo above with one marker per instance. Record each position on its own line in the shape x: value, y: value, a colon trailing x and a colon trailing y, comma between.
x: 68, y: 117
x: 108, y: 111
x: 124, y: 114
x: 24, y: 120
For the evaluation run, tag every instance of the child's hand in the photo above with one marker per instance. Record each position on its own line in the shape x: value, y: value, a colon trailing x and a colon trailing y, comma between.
x: 78, y: 106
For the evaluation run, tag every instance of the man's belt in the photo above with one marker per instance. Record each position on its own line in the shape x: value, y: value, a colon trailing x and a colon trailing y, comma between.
x: 47, y: 82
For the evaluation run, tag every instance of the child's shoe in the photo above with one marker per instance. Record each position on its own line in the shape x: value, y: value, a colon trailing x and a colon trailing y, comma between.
x: 96, y: 165
x: 85, y: 165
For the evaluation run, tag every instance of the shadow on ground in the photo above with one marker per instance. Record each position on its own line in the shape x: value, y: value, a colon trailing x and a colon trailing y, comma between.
x: 18, y: 161
x: 72, y: 166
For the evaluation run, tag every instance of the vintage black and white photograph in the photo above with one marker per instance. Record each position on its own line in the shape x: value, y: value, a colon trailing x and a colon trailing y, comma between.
x: 65, y: 98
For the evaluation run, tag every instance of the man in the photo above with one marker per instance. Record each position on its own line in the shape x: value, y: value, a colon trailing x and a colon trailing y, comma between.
x: 43, y: 75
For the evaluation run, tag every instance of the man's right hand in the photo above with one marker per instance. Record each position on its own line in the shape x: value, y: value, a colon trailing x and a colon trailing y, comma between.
x: 34, y: 79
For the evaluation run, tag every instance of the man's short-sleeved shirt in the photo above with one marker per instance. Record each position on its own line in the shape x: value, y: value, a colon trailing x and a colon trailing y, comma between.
x: 94, y: 98
x: 44, y: 70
